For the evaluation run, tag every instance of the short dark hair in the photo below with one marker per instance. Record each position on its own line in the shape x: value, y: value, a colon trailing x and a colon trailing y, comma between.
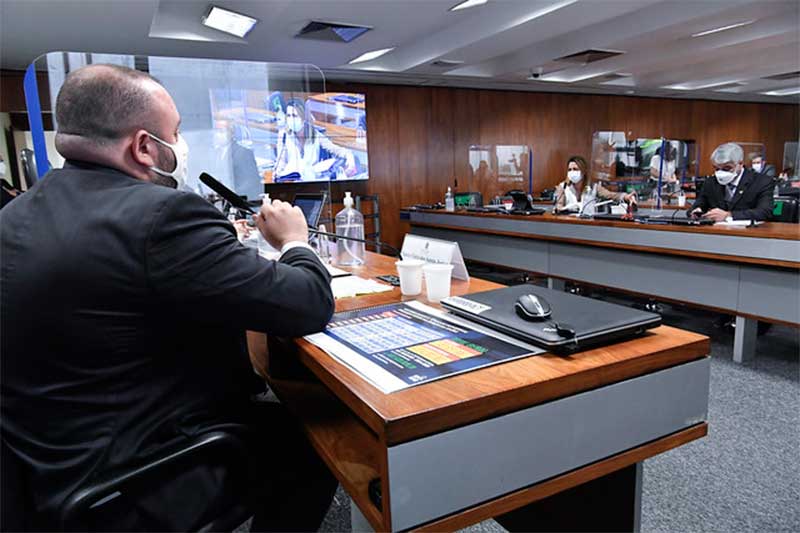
x: 103, y: 104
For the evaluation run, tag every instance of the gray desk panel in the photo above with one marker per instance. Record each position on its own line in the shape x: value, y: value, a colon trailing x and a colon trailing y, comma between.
x: 735, y: 245
x: 525, y: 254
x: 771, y: 293
x: 444, y: 473
x: 709, y: 283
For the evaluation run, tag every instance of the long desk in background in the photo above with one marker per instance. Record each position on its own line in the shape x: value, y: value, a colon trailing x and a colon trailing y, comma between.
x: 750, y: 272
x: 557, y: 440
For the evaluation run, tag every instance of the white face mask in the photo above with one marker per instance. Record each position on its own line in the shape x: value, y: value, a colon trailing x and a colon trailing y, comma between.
x: 758, y: 167
x: 294, y: 123
x: 574, y: 175
x: 181, y: 152
x: 724, y: 177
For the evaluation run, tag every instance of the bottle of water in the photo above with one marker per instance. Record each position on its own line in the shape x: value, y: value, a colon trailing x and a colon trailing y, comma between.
x: 232, y: 215
x: 349, y: 223
x: 449, y: 201
x: 261, y: 243
x: 588, y: 199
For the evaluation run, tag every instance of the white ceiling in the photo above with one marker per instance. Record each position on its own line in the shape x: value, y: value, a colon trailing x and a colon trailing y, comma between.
x: 500, y: 43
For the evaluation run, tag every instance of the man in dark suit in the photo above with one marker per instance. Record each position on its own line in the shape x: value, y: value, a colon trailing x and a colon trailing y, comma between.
x: 737, y: 192
x: 125, y: 304
x: 760, y: 166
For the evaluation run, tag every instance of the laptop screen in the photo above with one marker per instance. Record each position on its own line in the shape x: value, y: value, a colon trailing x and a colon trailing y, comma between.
x: 311, y: 205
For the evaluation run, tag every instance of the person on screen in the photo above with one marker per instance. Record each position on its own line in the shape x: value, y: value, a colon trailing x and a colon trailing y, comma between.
x: 737, y: 193
x: 760, y: 166
x: 569, y: 193
x: 300, y: 146
x: 125, y: 304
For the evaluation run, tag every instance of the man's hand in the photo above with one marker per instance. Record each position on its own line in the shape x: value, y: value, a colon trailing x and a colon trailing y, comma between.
x: 280, y: 223
x: 717, y: 214
x: 629, y: 198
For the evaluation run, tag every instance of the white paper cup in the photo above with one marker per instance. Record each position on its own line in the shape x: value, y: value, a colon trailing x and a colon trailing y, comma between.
x: 437, y: 281
x: 410, y: 273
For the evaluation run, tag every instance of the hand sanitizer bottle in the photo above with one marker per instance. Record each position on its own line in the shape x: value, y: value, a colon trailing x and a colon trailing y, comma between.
x: 449, y: 201
x: 350, y: 223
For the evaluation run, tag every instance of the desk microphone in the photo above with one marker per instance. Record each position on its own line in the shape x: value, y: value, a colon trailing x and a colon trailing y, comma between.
x: 239, y: 203
x: 231, y: 197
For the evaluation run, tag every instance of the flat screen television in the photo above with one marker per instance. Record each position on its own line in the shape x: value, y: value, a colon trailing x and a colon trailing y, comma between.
x: 288, y: 137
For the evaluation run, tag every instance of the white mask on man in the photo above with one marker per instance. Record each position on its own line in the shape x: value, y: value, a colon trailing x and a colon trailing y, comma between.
x: 758, y: 167
x: 574, y: 175
x: 181, y: 152
x: 724, y: 177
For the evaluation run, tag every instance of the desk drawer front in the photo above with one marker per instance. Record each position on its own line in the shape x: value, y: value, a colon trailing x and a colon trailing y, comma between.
x: 441, y: 474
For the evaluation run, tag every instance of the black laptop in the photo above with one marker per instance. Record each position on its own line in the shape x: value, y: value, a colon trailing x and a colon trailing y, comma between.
x: 576, y: 322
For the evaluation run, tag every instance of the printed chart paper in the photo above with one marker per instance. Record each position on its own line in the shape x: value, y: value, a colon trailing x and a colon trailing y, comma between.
x: 400, y: 345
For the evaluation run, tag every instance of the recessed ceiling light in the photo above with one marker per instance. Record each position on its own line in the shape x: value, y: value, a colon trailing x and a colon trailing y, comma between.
x: 783, y: 92
x: 229, y: 21
x: 369, y: 56
x: 468, y: 4
x: 723, y: 28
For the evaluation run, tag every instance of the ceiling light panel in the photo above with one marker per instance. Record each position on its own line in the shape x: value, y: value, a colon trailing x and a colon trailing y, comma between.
x: 229, y: 21
x: 369, y: 56
x: 783, y: 92
x: 468, y: 4
x: 723, y: 28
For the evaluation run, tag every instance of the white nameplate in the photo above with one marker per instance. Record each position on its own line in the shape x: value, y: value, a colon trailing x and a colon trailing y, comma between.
x: 466, y: 305
x: 435, y: 251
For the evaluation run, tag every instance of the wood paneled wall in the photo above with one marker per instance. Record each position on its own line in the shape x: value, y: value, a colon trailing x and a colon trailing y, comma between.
x: 419, y: 136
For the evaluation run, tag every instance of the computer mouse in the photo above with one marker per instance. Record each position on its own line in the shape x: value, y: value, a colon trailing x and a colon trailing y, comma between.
x: 532, y: 307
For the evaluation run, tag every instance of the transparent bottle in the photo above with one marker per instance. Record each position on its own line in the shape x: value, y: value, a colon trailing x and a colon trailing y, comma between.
x: 588, y: 199
x: 350, y: 223
x: 449, y: 201
x: 261, y: 243
x: 232, y: 215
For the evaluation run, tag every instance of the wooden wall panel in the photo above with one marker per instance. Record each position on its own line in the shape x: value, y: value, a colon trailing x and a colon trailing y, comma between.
x: 424, y: 139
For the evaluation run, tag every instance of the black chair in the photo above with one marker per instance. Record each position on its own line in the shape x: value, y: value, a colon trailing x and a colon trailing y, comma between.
x: 785, y: 209
x: 29, y: 172
x: 217, y: 447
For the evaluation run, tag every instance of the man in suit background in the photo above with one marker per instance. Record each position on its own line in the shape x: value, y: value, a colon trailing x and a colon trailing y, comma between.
x: 125, y: 304
x: 760, y: 166
x: 737, y: 192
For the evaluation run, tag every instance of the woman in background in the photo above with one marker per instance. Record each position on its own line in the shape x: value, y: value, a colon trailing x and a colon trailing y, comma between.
x: 569, y: 193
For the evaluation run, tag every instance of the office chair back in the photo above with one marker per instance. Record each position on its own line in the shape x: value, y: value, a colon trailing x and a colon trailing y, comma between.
x: 785, y: 209
x: 29, y: 171
x: 14, y: 507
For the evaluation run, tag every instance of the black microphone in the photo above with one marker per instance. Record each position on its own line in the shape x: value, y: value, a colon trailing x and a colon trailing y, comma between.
x: 231, y: 197
x: 237, y: 202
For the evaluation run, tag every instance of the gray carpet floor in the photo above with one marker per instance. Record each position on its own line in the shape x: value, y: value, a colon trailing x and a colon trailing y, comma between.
x: 745, y: 475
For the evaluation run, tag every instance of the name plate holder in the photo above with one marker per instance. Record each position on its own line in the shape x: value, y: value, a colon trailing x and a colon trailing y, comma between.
x: 435, y: 251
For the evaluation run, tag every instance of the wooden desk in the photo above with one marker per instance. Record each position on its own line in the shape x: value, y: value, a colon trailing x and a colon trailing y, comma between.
x: 753, y: 273
x: 457, y: 451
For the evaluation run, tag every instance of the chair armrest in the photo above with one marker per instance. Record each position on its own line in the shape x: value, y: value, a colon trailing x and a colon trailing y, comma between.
x: 109, y: 485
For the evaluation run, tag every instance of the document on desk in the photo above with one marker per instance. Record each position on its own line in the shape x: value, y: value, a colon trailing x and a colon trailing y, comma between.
x: 349, y: 286
x: 739, y: 223
x: 401, y: 345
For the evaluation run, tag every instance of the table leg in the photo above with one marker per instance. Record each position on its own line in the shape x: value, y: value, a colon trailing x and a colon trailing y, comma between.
x: 556, y: 284
x: 744, y: 340
x: 358, y: 522
x: 609, y: 503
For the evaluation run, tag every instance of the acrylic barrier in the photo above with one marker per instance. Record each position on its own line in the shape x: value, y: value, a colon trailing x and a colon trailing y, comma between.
x: 254, y: 126
x: 651, y: 166
x: 496, y: 169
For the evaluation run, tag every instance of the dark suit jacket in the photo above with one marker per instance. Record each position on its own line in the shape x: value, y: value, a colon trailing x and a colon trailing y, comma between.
x: 124, y: 307
x: 751, y: 201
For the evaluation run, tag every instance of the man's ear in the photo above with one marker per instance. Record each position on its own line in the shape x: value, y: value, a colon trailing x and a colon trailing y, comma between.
x: 144, y: 150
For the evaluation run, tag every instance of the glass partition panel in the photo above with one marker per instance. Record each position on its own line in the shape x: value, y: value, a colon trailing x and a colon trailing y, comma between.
x: 497, y: 169
x: 654, y: 168
x: 791, y: 161
x: 256, y: 127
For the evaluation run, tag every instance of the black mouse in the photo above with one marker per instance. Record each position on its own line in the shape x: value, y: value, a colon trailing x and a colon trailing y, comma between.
x: 532, y: 307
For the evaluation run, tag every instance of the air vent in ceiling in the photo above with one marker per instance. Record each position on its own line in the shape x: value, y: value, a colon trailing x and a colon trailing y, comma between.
x: 332, y: 31
x: 588, y: 56
x: 784, y: 76
x: 446, y: 63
